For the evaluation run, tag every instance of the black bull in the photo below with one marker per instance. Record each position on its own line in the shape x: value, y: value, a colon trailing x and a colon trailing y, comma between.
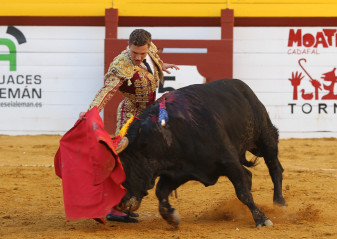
x: 210, y: 128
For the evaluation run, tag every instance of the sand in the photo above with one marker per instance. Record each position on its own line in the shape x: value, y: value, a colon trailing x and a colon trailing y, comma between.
x: 31, y: 200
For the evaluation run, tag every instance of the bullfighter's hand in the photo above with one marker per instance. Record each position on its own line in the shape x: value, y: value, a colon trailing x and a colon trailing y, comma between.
x: 80, y: 117
x: 166, y: 66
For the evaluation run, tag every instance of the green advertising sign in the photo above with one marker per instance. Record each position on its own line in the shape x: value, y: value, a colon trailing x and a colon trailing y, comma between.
x: 11, y: 56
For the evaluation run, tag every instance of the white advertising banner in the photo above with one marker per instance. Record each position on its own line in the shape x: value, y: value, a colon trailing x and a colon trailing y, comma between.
x: 292, y: 71
x: 47, y: 76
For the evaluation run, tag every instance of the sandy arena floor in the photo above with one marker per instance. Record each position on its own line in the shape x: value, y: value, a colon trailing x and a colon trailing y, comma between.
x: 31, y: 201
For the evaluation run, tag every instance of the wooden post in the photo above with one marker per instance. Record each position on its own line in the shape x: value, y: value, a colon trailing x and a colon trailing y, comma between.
x: 227, y: 29
x: 227, y: 23
x: 111, y: 27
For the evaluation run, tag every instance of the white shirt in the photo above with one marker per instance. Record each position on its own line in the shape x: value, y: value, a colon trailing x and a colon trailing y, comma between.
x: 149, y: 61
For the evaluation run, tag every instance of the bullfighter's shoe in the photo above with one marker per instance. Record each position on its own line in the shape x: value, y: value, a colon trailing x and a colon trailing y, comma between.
x: 133, y: 214
x: 116, y: 218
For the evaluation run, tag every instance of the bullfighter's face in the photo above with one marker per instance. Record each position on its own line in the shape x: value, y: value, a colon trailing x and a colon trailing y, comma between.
x: 138, y: 53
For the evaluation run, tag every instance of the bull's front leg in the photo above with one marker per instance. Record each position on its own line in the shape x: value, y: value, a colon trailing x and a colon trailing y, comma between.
x: 163, y: 190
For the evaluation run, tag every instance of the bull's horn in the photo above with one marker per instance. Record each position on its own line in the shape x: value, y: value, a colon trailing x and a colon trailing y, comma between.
x: 122, y: 145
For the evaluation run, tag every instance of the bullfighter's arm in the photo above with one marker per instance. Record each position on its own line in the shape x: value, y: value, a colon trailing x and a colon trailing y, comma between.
x: 153, y: 51
x: 120, y: 70
x: 111, y: 84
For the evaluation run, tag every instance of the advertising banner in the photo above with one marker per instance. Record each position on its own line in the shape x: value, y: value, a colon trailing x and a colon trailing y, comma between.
x: 292, y: 70
x: 47, y: 76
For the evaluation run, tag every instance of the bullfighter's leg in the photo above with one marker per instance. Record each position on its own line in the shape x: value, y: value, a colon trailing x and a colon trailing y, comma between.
x: 164, y: 188
x: 241, y: 180
x: 269, y: 149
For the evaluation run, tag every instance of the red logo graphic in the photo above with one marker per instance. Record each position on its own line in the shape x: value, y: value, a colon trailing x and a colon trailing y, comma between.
x: 329, y: 78
x: 326, y: 38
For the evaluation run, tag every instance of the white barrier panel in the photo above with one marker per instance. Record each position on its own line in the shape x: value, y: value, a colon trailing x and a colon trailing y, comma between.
x: 185, y: 76
x: 292, y: 71
x: 47, y: 76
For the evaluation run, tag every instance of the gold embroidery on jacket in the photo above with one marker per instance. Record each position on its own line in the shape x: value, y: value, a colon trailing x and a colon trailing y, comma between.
x: 143, y: 86
x: 156, y: 59
x: 125, y: 110
x: 122, y: 65
x: 112, y: 83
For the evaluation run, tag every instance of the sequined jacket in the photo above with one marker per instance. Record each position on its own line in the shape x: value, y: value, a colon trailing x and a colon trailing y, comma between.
x: 134, y: 82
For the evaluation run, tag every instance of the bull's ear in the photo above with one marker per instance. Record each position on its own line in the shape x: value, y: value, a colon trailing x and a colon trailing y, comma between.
x: 122, y: 145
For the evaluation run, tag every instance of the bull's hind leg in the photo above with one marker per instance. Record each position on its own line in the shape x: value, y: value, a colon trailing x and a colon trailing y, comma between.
x: 269, y: 149
x: 242, y: 181
x: 275, y: 171
x: 164, y: 188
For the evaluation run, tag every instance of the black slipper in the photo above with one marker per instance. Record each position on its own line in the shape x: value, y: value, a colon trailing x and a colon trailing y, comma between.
x: 127, y: 219
x: 133, y: 214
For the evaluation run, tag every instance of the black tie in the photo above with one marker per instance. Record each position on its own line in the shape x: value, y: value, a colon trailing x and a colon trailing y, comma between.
x: 147, y: 66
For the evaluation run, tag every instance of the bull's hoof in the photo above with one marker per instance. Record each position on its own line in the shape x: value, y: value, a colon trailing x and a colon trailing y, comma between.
x: 266, y: 223
x: 171, y: 216
x: 280, y: 202
x: 281, y: 205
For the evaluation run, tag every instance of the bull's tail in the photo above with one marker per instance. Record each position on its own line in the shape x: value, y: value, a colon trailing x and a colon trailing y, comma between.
x: 249, y: 163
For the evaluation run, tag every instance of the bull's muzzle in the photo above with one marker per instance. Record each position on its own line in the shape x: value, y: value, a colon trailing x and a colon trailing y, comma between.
x: 131, y: 205
x: 122, y: 145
